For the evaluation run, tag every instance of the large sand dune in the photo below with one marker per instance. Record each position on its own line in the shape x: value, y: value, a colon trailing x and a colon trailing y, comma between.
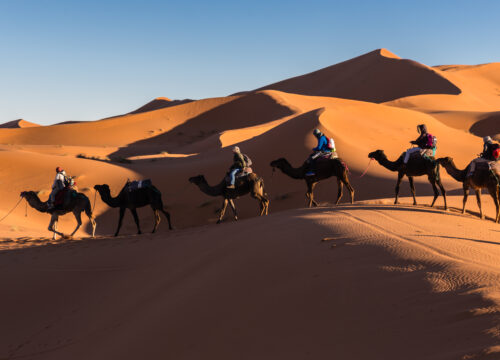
x: 389, y: 283
x: 378, y: 76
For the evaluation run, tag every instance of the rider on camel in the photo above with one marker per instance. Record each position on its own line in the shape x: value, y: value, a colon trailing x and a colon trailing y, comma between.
x: 239, y: 164
x: 323, y: 148
x: 58, y: 185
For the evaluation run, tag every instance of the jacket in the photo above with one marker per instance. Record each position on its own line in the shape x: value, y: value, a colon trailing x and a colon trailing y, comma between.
x: 322, y: 144
x: 238, y: 161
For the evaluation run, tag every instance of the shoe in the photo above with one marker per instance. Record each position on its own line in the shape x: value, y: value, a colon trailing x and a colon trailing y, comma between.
x: 310, y: 173
x: 230, y: 187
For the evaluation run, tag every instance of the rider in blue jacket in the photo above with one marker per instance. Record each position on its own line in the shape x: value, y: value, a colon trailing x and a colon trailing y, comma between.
x: 319, y: 150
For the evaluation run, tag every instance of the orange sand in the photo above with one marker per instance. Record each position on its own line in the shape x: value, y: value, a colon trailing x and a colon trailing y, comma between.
x: 387, y: 283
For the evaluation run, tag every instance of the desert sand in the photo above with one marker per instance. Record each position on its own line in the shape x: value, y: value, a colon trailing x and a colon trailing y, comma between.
x: 369, y: 280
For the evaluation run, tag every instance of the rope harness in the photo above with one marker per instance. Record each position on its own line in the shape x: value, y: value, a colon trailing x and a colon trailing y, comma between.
x: 21, y: 199
x: 366, y: 170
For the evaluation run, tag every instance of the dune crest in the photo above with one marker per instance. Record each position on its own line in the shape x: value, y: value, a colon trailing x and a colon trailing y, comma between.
x: 159, y: 103
x: 377, y: 76
x: 19, y: 123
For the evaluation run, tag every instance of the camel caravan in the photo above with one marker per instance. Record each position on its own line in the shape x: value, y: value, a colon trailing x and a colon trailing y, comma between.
x: 240, y: 180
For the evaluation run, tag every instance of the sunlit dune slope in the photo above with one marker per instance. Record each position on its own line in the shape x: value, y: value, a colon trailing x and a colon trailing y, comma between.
x: 377, y: 76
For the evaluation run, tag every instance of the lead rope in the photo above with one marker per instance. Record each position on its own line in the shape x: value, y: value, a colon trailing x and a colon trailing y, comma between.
x: 21, y: 199
x: 364, y: 173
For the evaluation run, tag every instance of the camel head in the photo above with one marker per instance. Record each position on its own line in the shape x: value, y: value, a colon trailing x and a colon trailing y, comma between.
x: 279, y: 163
x: 28, y: 194
x: 445, y: 161
x: 378, y: 154
x: 103, y: 188
x: 197, y: 180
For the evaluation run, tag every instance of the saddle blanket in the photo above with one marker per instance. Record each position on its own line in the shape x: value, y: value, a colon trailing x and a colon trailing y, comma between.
x: 139, y: 184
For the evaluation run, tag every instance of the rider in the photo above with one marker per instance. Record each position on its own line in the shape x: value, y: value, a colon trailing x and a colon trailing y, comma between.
x: 239, y: 164
x: 421, y: 142
x: 58, y: 185
x: 485, y: 156
x: 322, y: 148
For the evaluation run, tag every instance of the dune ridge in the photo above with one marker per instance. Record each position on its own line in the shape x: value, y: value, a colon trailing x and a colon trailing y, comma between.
x: 377, y: 76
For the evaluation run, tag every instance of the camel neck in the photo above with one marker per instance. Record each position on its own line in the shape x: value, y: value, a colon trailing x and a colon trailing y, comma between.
x: 212, y: 190
x: 457, y: 174
x: 295, y: 173
x: 108, y: 199
x: 389, y: 165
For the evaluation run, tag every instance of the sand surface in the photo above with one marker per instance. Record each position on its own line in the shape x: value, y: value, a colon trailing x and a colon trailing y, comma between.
x: 387, y: 282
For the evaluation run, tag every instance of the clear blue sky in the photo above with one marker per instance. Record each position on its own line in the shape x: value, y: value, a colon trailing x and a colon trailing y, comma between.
x: 85, y: 60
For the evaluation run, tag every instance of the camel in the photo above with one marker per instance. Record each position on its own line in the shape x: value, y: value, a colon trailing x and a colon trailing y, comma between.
x: 416, y: 166
x: 482, y: 178
x: 324, y: 169
x: 77, y: 205
x: 132, y: 200
x: 251, y: 184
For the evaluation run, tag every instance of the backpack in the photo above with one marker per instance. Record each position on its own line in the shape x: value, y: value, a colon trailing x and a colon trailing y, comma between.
x: 331, y: 144
x: 495, y: 151
x: 68, y: 181
x: 248, y: 161
x: 431, y: 141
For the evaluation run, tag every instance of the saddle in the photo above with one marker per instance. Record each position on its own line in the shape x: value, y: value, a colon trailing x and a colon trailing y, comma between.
x: 240, y: 176
x: 138, y: 184
x: 426, y: 154
x: 63, y: 197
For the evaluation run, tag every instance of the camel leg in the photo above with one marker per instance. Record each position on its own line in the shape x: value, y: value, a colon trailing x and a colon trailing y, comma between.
x: 346, y: 182
x: 231, y: 203
x: 122, y: 212
x: 156, y: 214
x: 478, y: 197
x: 310, y: 194
x: 222, y: 210
x: 412, y: 188
x: 466, y: 195
x: 443, y: 192
x: 436, y: 191
x: 78, y: 217
x: 340, y: 186
x: 256, y: 195
x: 167, y: 215
x: 53, y: 226
x: 88, y: 211
x: 400, y: 176
x: 493, y: 190
x: 136, y: 219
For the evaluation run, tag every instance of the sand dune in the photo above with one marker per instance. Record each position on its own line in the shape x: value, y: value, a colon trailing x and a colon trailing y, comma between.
x: 19, y: 123
x: 264, y: 288
x: 387, y: 282
x: 378, y: 76
x: 159, y: 103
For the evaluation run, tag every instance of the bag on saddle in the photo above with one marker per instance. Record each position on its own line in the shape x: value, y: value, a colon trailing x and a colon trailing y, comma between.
x: 431, y: 141
x: 139, y: 184
x: 495, y: 151
x: 69, y: 181
x: 331, y: 144
x: 248, y: 161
